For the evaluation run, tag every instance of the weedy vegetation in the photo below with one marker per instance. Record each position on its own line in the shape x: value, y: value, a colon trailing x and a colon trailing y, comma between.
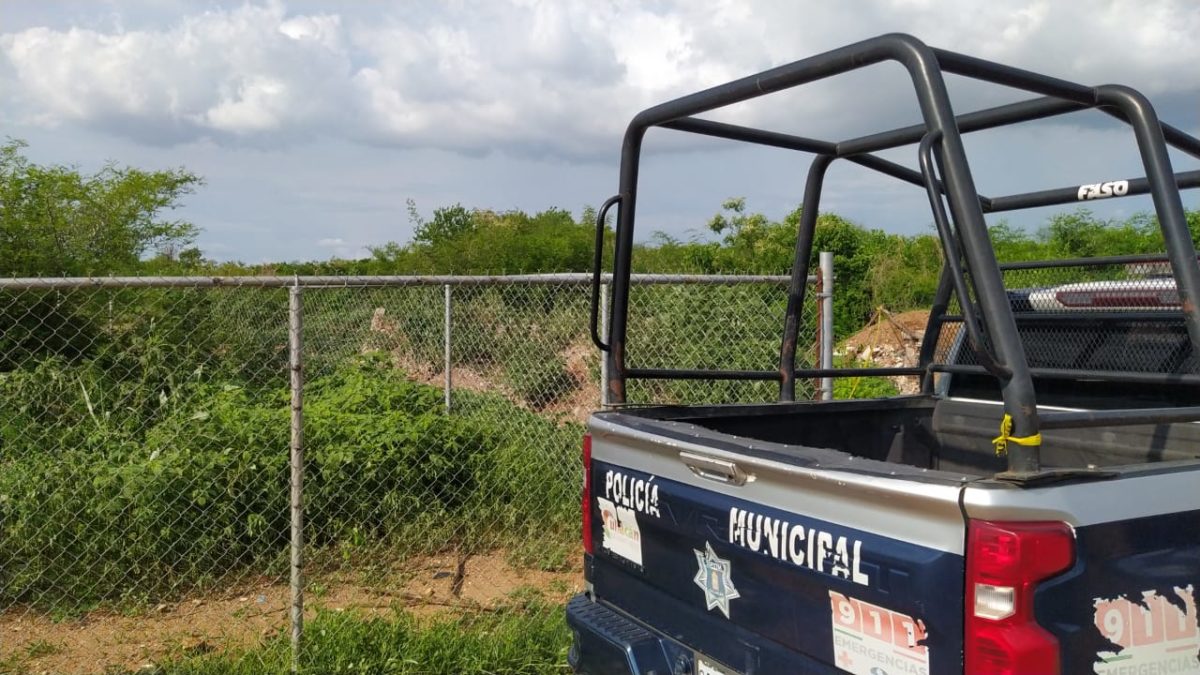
x: 144, y: 433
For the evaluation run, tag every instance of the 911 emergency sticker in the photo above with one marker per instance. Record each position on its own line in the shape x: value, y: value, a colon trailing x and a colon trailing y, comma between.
x: 872, y: 640
x: 1156, y: 635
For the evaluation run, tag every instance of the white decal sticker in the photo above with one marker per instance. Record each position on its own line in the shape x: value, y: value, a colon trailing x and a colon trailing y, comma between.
x: 871, y: 640
x: 803, y: 547
x: 638, y: 494
x: 1114, y: 188
x: 621, y: 533
x: 716, y: 580
x: 1155, y: 635
x: 704, y: 667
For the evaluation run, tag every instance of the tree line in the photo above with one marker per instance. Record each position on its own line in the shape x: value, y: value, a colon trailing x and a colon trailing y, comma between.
x: 56, y: 220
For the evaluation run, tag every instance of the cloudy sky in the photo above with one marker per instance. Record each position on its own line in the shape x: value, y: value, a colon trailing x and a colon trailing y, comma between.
x: 313, y: 122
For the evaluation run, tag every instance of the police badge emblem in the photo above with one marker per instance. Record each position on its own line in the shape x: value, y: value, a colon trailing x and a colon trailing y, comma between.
x: 714, y: 579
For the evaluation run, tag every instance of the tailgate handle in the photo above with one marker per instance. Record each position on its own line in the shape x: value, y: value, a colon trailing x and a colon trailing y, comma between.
x: 719, y: 470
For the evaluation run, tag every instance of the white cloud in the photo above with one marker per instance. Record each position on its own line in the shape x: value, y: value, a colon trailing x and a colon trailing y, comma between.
x: 251, y: 70
x: 541, y: 77
x: 337, y: 247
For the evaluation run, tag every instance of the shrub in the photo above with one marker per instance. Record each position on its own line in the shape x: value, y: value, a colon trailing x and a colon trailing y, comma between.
x: 204, y: 493
x: 540, y: 382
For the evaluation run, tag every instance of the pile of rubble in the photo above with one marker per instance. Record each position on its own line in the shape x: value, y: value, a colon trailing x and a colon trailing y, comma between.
x: 890, y: 340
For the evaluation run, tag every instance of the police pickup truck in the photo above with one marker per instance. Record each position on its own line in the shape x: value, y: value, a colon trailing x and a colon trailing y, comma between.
x: 1035, y: 509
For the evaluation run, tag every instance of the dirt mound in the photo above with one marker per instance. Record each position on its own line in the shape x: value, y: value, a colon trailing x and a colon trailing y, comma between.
x: 579, y: 359
x: 584, y: 398
x: 889, y: 340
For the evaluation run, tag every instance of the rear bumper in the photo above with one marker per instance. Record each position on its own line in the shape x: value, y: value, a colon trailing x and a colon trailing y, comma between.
x: 607, y: 642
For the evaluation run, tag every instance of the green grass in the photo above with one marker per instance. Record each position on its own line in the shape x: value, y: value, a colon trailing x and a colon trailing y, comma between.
x: 861, y: 387
x: 525, y: 636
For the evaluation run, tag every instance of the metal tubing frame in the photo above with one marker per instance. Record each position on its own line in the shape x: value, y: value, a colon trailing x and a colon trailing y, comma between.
x: 1066, y: 195
x: 1085, y: 316
x: 934, y: 102
x: 858, y: 150
x: 925, y: 67
x: 879, y: 371
x: 701, y: 374
x: 604, y: 331
x: 598, y: 257
x: 765, y: 375
x: 799, y: 283
x: 933, y: 327
x: 1075, y: 373
x: 775, y: 139
x: 952, y: 253
x: 1097, y: 261
x: 1140, y: 114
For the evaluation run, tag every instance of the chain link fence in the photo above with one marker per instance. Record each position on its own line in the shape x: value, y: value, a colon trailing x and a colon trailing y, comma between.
x: 149, y: 509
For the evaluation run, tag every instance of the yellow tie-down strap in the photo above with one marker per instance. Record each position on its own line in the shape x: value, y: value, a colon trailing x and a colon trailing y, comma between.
x: 1001, y: 442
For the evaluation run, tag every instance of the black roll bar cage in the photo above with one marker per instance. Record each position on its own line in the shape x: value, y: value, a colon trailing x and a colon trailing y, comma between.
x: 963, y: 232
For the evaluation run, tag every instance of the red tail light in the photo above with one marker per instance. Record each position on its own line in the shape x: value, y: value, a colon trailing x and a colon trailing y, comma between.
x: 1005, y: 562
x: 587, y: 493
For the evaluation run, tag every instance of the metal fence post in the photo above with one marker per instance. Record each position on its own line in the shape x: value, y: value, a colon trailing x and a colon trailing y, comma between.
x: 604, y: 336
x: 825, y: 261
x: 295, y: 361
x: 446, y: 349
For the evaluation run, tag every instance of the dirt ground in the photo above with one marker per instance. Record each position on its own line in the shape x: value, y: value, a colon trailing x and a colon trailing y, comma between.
x: 105, y: 640
x: 577, y: 405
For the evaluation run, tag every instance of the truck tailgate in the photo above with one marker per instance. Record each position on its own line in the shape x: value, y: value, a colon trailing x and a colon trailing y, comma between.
x: 768, y: 566
x: 1127, y: 604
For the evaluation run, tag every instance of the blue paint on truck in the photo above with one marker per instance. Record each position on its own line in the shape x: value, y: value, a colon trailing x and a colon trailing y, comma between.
x: 785, y: 610
x: 1109, y: 596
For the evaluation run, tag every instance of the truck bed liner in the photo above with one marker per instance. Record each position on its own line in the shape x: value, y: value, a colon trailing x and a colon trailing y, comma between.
x: 922, y: 432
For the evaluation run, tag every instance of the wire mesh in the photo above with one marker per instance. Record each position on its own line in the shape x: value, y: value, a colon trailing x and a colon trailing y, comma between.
x: 730, y: 326
x: 144, y: 453
x: 142, y: 468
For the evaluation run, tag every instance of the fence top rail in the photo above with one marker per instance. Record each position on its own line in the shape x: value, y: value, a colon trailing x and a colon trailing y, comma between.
x: 561, y: 279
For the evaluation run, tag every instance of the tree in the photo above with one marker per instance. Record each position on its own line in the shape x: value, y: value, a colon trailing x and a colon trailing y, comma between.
x: 474, y: 241
x: 751, y: 241
x: 449, y: 223
x: 55, y: 220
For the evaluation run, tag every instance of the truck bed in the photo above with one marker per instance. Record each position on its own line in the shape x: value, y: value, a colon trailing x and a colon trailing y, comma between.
x: 839, y: 536
x: 924, y: 433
